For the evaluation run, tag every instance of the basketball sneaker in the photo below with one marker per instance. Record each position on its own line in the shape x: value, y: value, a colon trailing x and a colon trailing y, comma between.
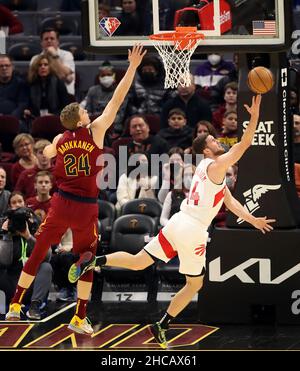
x: 81, y: 326
x: 86, y: 262
x: 14, y: 312
x: 159, y: 334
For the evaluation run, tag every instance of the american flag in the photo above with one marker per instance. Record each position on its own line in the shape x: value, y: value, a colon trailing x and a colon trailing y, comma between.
x: 264, y: 27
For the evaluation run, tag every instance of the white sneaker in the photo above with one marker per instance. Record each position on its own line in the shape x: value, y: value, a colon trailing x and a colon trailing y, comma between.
x: 81, y: 326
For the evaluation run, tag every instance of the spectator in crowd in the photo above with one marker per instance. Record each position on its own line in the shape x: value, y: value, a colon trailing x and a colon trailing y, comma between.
x: 218, y: 90
x: 231, y: 177
x: 99, y: 95
x: 23, y: 146
x: 61, y: 261
x: 297, y: 178
x: 137, y: 182
x: 104, y: 10
x: 63, y: 60
x: 40, y: 203
x: 189, y: 102
x: 13, y: 89
x: 142, y: 141
x: 10, y: 21
x: 210, y: 72
x: 4, y: 194
x: 174, y: 198
x: 296, y: 120
x: 25, y: 183
x: 230, y: 98
x: 48, y: 94
x: 178, y: 134
x: 131, y: 20
x: 147, y: 92
x: 20, y: 245
x: 229, y: 135
x: 172, y: 173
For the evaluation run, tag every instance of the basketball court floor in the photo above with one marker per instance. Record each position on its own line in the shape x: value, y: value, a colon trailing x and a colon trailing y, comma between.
x: 124, y: 327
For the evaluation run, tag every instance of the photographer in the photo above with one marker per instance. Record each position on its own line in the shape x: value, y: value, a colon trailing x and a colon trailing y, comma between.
x: 16, y: 245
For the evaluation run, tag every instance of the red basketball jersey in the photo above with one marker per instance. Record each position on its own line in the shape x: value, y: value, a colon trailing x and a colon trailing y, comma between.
x: 75, y: 168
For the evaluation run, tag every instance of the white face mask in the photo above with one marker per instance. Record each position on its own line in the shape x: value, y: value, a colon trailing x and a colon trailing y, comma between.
x: 214, y: 59
x: 107, y: 81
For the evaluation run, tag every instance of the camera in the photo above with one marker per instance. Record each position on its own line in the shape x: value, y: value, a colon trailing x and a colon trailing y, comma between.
x: 17, y: 219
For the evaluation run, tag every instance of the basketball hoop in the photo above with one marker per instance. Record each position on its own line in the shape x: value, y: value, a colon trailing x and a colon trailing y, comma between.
x: 176, y: 48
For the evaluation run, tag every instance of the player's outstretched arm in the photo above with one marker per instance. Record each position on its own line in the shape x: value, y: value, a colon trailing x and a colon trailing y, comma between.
x: 237, y: 150
x: 263, y: 224
x: 103, y: 122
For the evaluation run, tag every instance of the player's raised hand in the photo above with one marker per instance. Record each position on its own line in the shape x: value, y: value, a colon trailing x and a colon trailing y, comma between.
x: 263, y: 224
x: 254, y: 109
x: 136, y: 54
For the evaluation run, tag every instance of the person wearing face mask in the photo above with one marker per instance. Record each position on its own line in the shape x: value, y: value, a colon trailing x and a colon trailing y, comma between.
x: 210, y: 72
x: 148, y: 90
x: 99, y: 95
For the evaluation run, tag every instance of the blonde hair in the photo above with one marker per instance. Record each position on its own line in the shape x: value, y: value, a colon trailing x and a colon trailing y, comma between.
x: 20, y: 137
x: 40, y: 144
x: 69, y: 116
x: 34, y: 68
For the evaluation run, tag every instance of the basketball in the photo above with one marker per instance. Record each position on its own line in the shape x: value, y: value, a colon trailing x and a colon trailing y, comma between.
x: 260, y: 80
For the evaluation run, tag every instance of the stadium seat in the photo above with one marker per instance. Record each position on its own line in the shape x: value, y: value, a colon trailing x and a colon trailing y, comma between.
x: 145, y: 206
x: 128, y: 234
x: 9, y: 128
x: 23, y: 51
x: 106, y: 216
x: 75, y: 48
x: 46, y: 127
x: 65, y: 25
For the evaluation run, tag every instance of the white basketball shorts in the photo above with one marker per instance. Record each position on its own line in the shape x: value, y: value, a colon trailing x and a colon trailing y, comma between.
x: 183, y: 236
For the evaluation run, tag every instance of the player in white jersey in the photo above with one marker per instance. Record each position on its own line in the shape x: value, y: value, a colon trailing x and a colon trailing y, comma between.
x: 186, y: 234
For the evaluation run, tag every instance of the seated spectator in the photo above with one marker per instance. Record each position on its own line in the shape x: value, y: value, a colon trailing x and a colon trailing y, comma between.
x: 9, y: 20
x: 23, y: 146
x: 25, y: 183
x: 131, y: 20
x: 174, y: 198
x: 61, y: 261
x: 4, y: 194
x: 147, y: 91
x: 178, y: 134
x: 296, y: 137
x: 297, y: 178
x: 294, y: 101
x: 22, y: 243
x: 63, y: 60
x: 188, y: 101
x: 13, y: 89
x: 104, y: 10
x: 172, y: 173
x: 40, y: 203
x: 230, y: 98
x: 229, y: 135
x: 210, y: 72
x: 218, y: 90
x: 48, y: 94
x: 231, y: 177
x: 142, y: 141
x: 99, y: 95
x: 137, y: 182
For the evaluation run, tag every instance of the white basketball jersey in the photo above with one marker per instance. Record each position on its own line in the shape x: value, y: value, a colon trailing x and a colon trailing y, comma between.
x: 205, y: 197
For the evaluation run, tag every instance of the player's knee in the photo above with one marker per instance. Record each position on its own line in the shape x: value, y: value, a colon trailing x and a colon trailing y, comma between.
x: 195, y: 283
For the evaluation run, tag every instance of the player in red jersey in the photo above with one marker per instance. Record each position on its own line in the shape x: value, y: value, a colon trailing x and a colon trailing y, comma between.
x: 75, y: 204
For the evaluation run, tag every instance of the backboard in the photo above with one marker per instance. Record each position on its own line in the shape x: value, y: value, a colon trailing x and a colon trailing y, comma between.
x: 230, y: 25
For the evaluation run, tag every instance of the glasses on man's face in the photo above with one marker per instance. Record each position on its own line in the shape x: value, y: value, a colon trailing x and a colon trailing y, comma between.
x: 5, y: 65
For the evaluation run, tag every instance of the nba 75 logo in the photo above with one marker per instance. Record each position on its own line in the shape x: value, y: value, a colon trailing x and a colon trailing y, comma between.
x: 109, y: 25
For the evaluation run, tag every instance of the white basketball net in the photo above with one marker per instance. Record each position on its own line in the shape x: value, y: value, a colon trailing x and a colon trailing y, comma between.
x: 176, y: 61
